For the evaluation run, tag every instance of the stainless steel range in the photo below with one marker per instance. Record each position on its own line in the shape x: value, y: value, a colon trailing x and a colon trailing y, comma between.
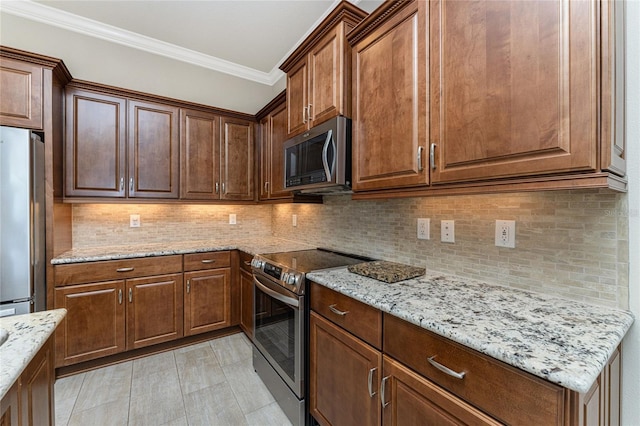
x: 280, y: 314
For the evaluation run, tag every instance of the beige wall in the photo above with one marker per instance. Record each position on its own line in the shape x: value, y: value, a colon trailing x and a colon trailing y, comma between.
x: 573, y: 244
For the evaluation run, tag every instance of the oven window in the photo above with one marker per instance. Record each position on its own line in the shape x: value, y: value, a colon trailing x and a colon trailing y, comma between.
x: 275, y: 330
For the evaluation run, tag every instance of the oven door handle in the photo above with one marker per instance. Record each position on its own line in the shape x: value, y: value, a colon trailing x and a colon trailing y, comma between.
x: 281, y: 297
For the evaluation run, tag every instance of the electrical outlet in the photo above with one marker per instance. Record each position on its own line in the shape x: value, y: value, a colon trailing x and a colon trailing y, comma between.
x: 447, y: 231
x: 232, y: 219
x: 423, y: 228
x: 134, y: 221
x: 294, y: 220
x: 506, y: 233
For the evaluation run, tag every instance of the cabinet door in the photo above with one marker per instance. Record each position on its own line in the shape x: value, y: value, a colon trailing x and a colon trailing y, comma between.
x: 200, y: 155
x: 410, y: 399
x: 514, y: 93
x: 36, y: 399
x: 297, y: 80
x: 390, y: 134
x: 95, y: 145
x: 153, y: 150
x: 9, y: 412
x: 326, y: 78
x: 341, y: 368
x: 20, y: 94
x: 246, y: 303
x: 265, y: 157
x: 207, y: 300
x: 237, y: 160
x: 95, y: 323
x: 154, y: 310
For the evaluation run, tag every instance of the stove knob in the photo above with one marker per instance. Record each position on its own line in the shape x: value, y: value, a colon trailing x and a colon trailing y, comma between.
x: 285, y: 277
x: 291, y: 279
x: 298, y: 278
x: 253, y: 263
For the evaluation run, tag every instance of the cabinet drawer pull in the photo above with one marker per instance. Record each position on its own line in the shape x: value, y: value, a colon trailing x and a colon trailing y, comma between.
x: 208, y: 260
x: 382, y: 391
x: 124, y: 269
x: 120, y: 297
x: 420, y: 149
x: 432, y: 156
x: 188, y: 286
x: 445, y: 369
x: 336, y: 311
x: 130, y: 295
x: 370, y: 382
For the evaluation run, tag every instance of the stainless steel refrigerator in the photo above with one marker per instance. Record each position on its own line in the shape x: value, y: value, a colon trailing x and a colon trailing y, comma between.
x: 22, y: 222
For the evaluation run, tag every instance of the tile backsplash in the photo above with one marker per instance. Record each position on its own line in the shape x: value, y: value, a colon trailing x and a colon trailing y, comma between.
x: 569, y: 243
x: 96, y: 225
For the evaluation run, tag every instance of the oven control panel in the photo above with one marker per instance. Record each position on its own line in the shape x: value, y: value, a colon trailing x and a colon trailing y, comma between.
x: 284, y: 276
x: 272, y: 270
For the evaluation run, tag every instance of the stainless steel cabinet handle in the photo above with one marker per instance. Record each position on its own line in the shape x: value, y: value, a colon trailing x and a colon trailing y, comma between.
x: 382, y: 391
x: 208, y: 260
x: 266, y: 187
x: 370, y: 382
x: 432, y: 156
x: 131, y: 184
x: 420, y: 149
x: 130, y: 295
x: 121, y: 184
x: 445, y: 369
x: 124, y: 269
x: 217, y: 188
x: 304, y: 114
x: 120, y: 297
x: 223, y: 190
x: 188, y: 286
x: 333, y: 309
x: 309, y: 112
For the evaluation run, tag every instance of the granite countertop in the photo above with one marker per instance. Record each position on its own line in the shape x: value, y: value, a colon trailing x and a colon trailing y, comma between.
x: 560, y: 340
x: 252, y: 246
x: 27, y: 334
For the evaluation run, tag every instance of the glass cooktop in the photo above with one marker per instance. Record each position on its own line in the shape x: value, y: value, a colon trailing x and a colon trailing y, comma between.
x: 313, y: 260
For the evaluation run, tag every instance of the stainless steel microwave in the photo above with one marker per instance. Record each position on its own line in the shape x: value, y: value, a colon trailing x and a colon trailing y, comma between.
x: 318, y: 161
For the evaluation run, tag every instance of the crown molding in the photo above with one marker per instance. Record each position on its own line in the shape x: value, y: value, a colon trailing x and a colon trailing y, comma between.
x: 89, y: 27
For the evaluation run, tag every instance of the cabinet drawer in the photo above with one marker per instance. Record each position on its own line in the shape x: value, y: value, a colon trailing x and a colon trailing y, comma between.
x: 245, y: 261
x: 510, y: 395
x: 89, y: 272
x: 207, y: 260
x: 356, y: 317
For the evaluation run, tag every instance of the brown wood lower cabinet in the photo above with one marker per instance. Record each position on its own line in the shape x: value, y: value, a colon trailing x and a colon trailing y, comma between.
x: 207, y: 300
x: 344, y: 373
x: 30, y: 399
x: 410, y: 399
x: 352, y: 382
x: 154, y: 310
x: 95, y: 323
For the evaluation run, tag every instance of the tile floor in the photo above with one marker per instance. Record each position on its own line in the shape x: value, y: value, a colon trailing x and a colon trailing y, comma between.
x: 210, y: 383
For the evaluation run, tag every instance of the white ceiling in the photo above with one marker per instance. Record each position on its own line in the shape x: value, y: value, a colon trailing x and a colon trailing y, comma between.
x: 244, y: 38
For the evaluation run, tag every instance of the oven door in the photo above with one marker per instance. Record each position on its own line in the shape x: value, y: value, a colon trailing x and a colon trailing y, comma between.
x: 279, y: 330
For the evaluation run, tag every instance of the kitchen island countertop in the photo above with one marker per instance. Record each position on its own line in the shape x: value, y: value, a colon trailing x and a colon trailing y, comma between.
x: 563, y: 341
x: 27, y: 334
x: 253, y: 245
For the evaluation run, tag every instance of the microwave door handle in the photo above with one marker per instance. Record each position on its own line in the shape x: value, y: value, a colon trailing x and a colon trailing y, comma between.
x: 325, y: 161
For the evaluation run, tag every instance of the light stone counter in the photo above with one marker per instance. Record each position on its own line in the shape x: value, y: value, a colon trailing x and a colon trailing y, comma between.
x: 560, y: 340
x: 250, y: 245
x: 27, y: 334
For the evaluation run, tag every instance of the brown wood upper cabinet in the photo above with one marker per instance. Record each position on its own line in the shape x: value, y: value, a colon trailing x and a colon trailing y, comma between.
x: 459, y: 93
x: 217, y: 157
x: 120, y: 148
x: 20, y: 94
x: 273, y: 133
x: 318, y: 72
